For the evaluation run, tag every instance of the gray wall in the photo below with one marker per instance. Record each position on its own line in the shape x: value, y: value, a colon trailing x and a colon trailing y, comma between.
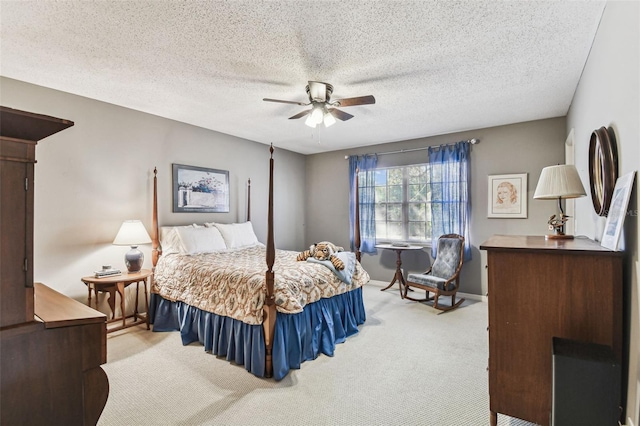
x: 518, y: 148
x: 609, y: 95
x: 98, y: 173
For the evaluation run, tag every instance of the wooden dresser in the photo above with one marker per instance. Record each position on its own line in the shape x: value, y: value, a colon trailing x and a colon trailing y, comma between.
x: 51, y: 347
x: 538, y: 289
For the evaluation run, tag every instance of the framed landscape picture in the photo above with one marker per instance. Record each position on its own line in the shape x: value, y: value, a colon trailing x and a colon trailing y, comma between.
x: 507, y: 196
x: 198, y: 189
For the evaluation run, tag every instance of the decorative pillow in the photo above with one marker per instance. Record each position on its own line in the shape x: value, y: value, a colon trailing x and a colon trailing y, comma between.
x: 237, y: 235
x: 201, y: 240
x: 170, y: 240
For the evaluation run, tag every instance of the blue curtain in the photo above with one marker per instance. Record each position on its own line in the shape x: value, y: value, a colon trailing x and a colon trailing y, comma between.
x: 449, y: 186
x: 366, y: 165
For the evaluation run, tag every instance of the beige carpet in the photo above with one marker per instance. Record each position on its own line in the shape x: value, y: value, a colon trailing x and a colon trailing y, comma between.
x: 408, y: 365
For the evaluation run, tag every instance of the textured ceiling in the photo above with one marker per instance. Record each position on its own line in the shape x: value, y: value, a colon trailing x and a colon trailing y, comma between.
x: 434, y: 67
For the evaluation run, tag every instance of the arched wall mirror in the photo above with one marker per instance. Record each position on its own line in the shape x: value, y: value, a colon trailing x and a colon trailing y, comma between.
x: 603, y: 168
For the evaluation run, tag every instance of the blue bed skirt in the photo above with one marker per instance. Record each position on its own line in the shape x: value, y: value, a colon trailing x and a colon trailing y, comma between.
x: 298, y: 337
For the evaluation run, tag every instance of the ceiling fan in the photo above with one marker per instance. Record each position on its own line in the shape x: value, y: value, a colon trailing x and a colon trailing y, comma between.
x: 324, y: 110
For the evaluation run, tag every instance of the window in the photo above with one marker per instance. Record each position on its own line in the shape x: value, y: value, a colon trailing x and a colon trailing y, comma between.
x: 402, y: 204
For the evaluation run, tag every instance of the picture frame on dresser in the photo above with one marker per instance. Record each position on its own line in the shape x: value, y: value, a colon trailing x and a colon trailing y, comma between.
x: 617, y: 212
x: 200, y: 189
x: 507, y: 196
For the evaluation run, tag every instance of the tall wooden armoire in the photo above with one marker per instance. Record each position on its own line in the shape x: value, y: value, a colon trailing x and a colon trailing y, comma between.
x: 51, y: 346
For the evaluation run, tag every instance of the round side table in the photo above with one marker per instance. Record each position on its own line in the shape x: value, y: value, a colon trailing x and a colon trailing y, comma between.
x: 116, y: 285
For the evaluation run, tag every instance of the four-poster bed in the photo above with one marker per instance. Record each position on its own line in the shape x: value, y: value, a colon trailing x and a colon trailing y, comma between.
x: 269, y: 321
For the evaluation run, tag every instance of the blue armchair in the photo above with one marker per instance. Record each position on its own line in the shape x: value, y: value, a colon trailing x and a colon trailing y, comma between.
x: 442, y: 279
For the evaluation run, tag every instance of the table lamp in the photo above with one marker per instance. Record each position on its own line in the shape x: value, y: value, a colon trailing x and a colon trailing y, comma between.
x: 132, y: 233
x: 559, y: 182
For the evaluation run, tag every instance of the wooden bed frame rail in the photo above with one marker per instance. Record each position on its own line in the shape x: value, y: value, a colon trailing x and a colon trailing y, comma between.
x: 269, y: 309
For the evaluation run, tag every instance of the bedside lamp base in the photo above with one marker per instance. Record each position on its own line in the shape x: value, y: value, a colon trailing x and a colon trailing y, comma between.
x: 134, y: 259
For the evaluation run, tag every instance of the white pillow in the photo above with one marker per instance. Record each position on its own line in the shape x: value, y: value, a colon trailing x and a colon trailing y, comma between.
x: 237, y: 235
x: 201, y: 240
x: 217, y: 241
x: 170, y: 240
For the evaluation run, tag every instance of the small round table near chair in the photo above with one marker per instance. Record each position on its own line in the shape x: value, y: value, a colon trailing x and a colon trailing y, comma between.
x: 398, y: 276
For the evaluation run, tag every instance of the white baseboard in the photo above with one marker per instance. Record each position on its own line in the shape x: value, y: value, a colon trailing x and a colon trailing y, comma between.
x: 629, y: 422
x: 470, y: 296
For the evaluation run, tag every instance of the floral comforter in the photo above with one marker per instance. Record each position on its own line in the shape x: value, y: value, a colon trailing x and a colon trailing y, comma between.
x: 232, y: 282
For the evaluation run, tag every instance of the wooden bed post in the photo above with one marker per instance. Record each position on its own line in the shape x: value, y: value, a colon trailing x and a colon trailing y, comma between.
x: 356, y: 237
x: 269, y: 319
x: 156, y: 250
x: 249, y: 200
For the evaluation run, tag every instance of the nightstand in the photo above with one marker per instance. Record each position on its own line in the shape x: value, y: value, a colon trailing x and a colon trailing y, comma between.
x: 117, y: 284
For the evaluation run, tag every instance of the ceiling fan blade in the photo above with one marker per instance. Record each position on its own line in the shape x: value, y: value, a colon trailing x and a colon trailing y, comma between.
x: 284, y: 102
x: 360, y: 100
x: 317, y: 91
x: 340, y: 115
x: 301, y: 114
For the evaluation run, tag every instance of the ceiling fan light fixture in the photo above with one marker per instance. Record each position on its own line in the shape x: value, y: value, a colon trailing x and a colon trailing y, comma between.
x: 329, y: 120
x: 317, y: 114
x: 310, y: 122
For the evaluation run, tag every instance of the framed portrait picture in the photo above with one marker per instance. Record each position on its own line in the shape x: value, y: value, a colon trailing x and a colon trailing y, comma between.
x: 507, y: 196
x: 617, y: 211
x: 198, y: 189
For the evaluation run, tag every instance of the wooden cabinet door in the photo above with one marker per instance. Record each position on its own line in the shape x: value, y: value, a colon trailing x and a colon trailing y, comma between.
x: 16, y: 234
x: 522, y: 304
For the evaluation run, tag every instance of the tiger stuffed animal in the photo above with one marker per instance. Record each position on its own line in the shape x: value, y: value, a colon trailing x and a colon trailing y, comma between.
x: 323, y: 251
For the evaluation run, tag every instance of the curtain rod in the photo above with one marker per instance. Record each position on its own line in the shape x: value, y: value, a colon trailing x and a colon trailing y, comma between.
x: 400, y: 151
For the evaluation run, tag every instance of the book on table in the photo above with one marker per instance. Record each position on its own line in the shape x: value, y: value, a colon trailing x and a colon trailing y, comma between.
x: 107, y: 273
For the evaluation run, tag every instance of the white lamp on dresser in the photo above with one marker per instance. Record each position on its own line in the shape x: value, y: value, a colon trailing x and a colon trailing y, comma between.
x: 559, y: 182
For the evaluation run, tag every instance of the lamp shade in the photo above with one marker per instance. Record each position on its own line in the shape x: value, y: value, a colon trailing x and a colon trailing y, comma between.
x: 132, y: 233
x: 560, y: 181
